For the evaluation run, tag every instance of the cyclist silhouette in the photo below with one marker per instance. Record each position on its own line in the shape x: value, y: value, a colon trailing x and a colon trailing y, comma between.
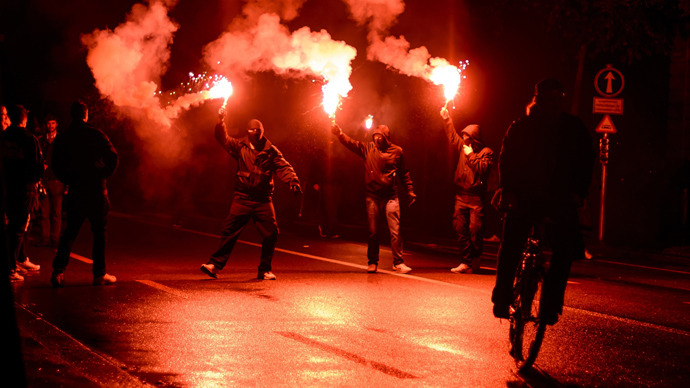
x: 545, y: 168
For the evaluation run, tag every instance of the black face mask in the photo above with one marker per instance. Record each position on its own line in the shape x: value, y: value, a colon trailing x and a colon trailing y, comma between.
x: 380, y: 141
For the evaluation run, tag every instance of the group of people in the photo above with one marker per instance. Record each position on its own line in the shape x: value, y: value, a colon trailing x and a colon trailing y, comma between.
x: 545, y: 168
x: 78, y: 160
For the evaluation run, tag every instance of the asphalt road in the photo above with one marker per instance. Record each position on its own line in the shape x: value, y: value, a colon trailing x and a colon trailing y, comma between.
x: 326, y: 322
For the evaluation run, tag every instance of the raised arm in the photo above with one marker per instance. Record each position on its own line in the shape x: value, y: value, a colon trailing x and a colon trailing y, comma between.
x: 355, y: 146
x: 449, y: 128
x: 230, y: 144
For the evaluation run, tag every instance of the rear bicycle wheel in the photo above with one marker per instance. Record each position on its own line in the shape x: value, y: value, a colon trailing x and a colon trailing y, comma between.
x: 526, y: 329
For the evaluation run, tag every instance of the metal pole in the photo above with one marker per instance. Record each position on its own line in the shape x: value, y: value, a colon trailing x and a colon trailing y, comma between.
x: 603, y: 157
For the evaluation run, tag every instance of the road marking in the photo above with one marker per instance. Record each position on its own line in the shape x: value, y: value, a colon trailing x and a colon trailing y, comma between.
x: 81, y: 258
x: 572, y: 282
x: 383, y: 368
x: 163, y: 288
x: 433, y: 281
x: 629, y: 321
x: 644, y: 266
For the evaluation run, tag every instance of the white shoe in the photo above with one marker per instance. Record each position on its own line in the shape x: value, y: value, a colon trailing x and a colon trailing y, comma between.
x: 462, y: 268
x: 210, y: 270
x: 28, y: 265
x: 588, y: 255
x: 16, y: 277
x: 401, y: 268
x: 104, y: 280
x: 268, y: 275
x: 372, y: 268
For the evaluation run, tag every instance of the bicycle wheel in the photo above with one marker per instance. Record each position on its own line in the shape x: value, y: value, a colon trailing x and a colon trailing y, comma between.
x: 526, y: 329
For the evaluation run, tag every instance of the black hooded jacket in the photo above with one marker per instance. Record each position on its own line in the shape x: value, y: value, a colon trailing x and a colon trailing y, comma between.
x: 472, y: 171
x: 547, y: 160
x: 22, y: 158
x: 83, y: 158
x: 255, y: 167
x: 384, y: 169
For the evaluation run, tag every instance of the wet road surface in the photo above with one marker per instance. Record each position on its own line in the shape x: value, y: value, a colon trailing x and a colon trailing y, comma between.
x: 326, y: 322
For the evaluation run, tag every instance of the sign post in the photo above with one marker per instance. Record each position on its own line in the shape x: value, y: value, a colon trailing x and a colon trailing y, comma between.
x: 609, y: 83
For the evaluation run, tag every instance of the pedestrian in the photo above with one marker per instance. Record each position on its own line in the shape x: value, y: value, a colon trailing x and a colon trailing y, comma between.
x: 384, y: 171
x: 545, y: 169
x: 83, y: 159
x: 471, y: 177
x: 257, y: 161
x: 23, y: 164
x: 54, y: 190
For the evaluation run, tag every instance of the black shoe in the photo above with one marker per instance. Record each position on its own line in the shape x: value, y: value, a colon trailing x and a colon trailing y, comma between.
x: 501, y: 311
x: 57, y: 279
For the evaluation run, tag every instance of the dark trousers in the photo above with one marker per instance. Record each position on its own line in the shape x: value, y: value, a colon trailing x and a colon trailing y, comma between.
x: 468, y: 218
x: 80, y: 206
x: 18, y: 212
x: 562, y: 234
x: 51, y: 211
x: 242, y: 211
x: 391, y: 208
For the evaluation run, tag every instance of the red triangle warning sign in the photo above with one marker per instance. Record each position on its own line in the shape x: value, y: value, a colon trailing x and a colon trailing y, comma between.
x: 606, y: 125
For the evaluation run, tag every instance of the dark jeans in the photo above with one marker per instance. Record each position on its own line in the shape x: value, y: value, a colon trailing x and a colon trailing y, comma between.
x: 51, y: 211
x: 80, y: 206
x: 18, y: 212
x: 242, y: 211
x: 562, y: 234
x: 391, y: 208
x: 468, y: 218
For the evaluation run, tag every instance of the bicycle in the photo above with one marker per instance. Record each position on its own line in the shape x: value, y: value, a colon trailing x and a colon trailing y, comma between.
x: 526, y: 326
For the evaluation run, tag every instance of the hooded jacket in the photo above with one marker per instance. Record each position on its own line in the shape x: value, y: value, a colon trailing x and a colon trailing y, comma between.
x: 22, y: 158
x: 547, y: 159
x: 83, y: 157
x: 255, y: 167
x: 384, y: 169
x: 472, y: 170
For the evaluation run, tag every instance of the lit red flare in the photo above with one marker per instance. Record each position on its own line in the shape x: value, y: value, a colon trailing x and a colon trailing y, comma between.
x: 443, y: 73
x: 333, y: 91
x: 222, y: 88
x: 368, y: 122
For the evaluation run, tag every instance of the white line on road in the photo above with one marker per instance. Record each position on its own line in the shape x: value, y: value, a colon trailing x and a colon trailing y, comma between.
x: 644, y: 266
x: 81, y: 258
x: 163, y: 288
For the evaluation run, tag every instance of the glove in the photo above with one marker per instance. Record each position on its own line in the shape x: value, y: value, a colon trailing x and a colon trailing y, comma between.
x: 445, y: 114
x: 335, y: 129
x: 466, y: 149
x: 294, y: 187
x: 411, y: 199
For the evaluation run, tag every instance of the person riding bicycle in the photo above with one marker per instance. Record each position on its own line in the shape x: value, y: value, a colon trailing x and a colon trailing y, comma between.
x: 545, y: 169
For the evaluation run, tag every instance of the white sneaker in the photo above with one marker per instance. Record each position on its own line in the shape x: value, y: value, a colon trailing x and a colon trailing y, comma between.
x: 16, y: 277
x: 462, y: 268
x: 401, y: 268
x: 371, y: 268
x: 104, y: 280
x: 210, y: 270
x: 28, y: 265
x: 268, y: 275
x: 588, y: 255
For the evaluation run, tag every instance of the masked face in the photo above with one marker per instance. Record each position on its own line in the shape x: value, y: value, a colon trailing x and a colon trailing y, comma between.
x: 380, y: 141
x: 255, y: 130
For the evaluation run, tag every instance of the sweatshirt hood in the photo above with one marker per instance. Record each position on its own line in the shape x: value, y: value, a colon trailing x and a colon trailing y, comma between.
x: 382, y: 130
x: 472, y: 131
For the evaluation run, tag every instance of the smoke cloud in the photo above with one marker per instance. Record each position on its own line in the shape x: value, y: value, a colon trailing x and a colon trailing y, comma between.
x: 269, y: 46
x: 395, y: 52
